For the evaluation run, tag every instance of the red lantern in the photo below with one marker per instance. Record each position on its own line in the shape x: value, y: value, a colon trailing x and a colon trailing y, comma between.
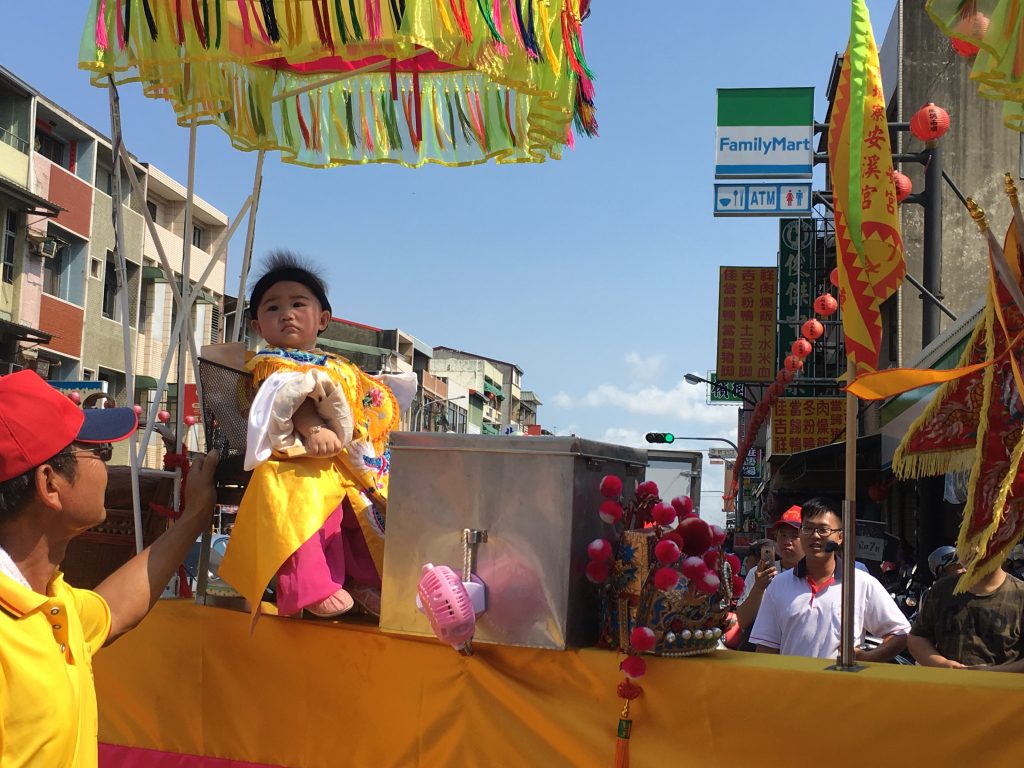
x: 929, y: 123
x: 826, y: 304
x: 774, y: 390
x: 812, y: 330
x: 784, y: 376
x: 903, y: 185
x: 833, y: 277
x: 793, y: 363
x: 801, y: 348
x: 878, y: 492
x: 963, y: 48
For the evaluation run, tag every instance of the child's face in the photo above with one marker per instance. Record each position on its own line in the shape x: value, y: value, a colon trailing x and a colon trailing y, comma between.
x: 289, y: 315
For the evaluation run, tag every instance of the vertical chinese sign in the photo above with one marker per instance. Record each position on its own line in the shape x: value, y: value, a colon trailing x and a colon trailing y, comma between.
x: 803, y: 423
x: 796, y: 254
x: 746, y: 324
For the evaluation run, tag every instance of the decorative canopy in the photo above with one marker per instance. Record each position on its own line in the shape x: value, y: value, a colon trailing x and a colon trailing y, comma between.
x: 334, y: 82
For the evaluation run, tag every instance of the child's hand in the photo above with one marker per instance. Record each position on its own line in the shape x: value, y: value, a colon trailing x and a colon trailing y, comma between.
x: 323, y: 442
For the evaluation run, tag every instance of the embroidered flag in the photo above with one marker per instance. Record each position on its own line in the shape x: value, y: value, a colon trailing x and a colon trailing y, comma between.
x: 868, y: 241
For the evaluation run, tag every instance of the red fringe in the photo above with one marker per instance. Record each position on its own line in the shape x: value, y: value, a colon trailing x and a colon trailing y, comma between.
x: 302, y: 123
x: 197, y: 20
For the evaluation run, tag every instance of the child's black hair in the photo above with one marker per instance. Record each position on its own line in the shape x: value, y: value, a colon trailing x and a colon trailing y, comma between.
x: 280, y: 266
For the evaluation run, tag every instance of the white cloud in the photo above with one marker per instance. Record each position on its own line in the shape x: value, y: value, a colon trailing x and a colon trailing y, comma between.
x: 644, y: 368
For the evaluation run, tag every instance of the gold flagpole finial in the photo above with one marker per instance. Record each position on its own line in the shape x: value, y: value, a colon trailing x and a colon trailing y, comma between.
x: 1011, y: 189
x: 977, y: 214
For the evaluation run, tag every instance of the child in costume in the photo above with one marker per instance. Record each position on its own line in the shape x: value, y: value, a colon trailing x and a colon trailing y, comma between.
x: 318, y: 427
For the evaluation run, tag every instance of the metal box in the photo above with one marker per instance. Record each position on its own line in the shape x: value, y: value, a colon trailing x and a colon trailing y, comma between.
x: 536, y: 497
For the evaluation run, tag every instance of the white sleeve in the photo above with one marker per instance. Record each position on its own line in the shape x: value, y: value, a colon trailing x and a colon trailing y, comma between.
x: 261, y: 414
x: 748, y: 582
x: 881, y: 614
x: 766, y: 630
x: 402, y: 385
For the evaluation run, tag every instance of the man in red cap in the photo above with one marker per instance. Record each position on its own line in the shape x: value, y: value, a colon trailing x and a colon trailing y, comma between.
x: 786, y: 533
x: 53, y: 477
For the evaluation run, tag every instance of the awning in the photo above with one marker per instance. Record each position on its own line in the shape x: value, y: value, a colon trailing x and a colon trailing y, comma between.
x: 822, y: 470
x: 351, y: 346
x: 146, y: 382
x: 30, y: 202
x: 24, y: 332
x: 154, y: 273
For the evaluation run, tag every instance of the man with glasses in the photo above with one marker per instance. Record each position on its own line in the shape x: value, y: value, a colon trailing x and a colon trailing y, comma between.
x: 800, y: 614
x: 53, y: 478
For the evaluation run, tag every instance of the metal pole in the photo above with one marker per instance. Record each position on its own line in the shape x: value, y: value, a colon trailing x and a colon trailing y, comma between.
x: 847, y: 649
x: 121, y: 268
x: 739, y: 480
x: 932, y: 247
x: 250, y: 234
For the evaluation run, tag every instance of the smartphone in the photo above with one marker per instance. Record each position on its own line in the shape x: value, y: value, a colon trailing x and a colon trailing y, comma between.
x: 768, y: 553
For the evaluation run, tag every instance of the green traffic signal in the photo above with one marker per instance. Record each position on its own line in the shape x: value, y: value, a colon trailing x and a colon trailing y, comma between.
x: 660, y: 437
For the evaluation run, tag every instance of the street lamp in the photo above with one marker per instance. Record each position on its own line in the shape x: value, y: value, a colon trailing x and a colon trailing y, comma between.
x: 693, y: 378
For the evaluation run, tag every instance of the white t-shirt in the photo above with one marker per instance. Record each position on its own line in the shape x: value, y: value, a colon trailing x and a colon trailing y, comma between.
x: 799, y: 624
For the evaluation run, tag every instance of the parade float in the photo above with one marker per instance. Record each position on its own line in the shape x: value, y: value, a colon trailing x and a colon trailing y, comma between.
x: 594, y: 639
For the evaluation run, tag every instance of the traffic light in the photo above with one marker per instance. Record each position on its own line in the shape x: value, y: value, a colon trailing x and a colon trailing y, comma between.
x: 660, y: 437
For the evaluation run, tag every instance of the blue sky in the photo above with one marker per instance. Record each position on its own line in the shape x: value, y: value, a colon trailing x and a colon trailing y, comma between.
x: 597, y: 275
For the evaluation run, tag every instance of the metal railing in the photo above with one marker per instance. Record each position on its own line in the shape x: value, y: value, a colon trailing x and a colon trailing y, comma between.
x: 14, y: 140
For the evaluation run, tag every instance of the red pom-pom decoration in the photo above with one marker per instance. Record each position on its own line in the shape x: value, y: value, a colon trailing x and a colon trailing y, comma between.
x: 674, y: 536
x: 642, y: 639
x: 666, y: 578
x: 801, y: 348
x: 138, y: 409
x: 693, y: 568
x: 597, y: 571
x: 739, y: 586
x: 833, y: 276
x: 826, y: 305
x: 633, y: 667
x: 709, y: 583
x: 75, y: 398
x: 647, y: 488
x: 696, y: 536
x: 683, y: 505
x: 163, y: 416
x: 793, y: 363
x: 611, y: 487
x: 663, y: 514
x: 599, y: 549
x: 812, y: 329
x: 733, y: 561
x: 717, y: 535
x: 610, y: 511
x: 666, y: 551
x: 190, y: 421
x: 711, y: 559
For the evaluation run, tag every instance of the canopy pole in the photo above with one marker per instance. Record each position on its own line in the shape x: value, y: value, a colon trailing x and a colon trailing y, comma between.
x: 250, y: 234
x: 186, y: 287
x: 375, y: 67
x: 121, y: 269
x: 847, y: 648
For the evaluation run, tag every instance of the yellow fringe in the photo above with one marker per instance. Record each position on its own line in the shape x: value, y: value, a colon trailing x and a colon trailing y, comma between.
x: 549, y: 50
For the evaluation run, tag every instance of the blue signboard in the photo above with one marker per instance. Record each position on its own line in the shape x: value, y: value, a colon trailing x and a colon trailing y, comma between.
x: 789, y: 198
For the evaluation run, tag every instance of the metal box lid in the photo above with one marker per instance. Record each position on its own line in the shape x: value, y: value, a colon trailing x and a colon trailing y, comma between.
x: 540, y: 444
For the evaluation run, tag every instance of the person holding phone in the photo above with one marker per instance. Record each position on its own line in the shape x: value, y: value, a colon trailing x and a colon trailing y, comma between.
x: 778, y: 553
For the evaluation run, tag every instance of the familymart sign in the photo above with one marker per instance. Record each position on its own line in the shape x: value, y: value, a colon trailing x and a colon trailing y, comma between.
x: 764, y: 133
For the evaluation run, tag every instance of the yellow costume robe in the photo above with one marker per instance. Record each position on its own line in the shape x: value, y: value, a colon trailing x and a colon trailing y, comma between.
x: 290, y: 496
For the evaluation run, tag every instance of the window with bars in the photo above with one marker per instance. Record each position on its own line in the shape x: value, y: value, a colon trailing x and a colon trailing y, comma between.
x: 10, y: 237
x: 215, y: 323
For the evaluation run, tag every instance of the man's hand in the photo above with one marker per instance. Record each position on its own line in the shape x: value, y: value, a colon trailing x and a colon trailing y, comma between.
x: 323, y: 442
x: 763, y: 576
x: 200, y: 493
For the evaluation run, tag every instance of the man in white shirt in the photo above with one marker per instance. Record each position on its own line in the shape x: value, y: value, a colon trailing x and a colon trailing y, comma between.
x: 800, y: 614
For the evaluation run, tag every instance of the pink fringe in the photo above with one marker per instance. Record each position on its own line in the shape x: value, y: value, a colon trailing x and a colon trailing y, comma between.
x: 101, y: 27
x: 120, y: 26
x: 515, y: 22
x: 501, y: 48
x: 570, y: 140
x: 246, y: 29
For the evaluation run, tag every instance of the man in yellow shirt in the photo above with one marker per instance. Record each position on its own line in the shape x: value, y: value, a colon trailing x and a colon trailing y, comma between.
x: 53, y: 477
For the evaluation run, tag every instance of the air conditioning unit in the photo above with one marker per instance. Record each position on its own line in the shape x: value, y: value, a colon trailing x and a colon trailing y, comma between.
x: 47, y: 248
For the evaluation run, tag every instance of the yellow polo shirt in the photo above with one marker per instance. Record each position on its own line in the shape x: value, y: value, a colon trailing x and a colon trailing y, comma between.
x: 47, y: 692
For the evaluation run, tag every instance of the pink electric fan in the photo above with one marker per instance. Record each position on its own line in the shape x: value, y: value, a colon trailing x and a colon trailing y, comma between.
x: 451, y: 605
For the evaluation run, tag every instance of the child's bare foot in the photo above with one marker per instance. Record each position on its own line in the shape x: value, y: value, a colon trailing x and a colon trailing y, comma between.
x: 333, y: 605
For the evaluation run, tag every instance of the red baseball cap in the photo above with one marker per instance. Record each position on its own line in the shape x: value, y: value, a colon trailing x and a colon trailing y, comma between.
x: 37, y: 422
x: 790, y: 517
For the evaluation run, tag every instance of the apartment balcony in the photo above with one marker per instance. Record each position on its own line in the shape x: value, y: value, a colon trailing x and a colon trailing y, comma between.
x: 173, y: 245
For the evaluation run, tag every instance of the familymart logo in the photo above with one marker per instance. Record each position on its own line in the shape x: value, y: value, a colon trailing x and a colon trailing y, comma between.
x: 764, y: 133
